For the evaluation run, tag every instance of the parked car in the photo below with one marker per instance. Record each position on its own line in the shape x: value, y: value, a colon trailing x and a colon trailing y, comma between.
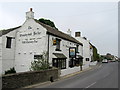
x: 105, y: 61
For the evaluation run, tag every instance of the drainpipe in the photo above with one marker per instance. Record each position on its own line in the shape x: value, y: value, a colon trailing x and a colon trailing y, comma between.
x: 48, y: 48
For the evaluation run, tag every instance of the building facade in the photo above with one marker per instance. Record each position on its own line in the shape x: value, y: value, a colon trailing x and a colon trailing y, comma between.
x: 24, y: 44
x: 87, y: 49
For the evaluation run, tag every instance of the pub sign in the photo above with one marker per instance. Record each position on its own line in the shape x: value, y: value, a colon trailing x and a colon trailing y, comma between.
x: 72, y: 52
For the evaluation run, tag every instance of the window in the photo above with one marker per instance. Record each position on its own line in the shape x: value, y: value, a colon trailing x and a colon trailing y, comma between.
x: 87, y: 59
x: 58, y: 45
x: 8, y: 43
x: 77, y: 48
x: 37, y: 56
x: 29, y: 27
x: 59, y: 63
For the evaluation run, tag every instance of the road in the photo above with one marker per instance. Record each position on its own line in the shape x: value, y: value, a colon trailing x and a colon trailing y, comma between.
x: 104, y: 76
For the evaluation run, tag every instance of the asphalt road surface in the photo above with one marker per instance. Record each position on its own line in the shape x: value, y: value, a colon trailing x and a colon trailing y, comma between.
x: 104, y: 76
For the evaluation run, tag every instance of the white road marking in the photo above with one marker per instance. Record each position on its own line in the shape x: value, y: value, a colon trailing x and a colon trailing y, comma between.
x: 91, y: 85
x: 100, y: 65
x: 107, y: 75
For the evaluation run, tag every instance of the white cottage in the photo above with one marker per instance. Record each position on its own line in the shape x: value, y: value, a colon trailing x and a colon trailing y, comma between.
x: 87, y: 49
x: 22, y: 45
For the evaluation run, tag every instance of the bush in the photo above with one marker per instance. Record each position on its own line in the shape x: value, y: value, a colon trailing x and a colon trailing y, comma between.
x: 40, y: 64
x: 12, y: 70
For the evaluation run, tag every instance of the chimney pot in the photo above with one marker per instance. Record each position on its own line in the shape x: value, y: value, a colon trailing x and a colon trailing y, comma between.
x: 31, y: 9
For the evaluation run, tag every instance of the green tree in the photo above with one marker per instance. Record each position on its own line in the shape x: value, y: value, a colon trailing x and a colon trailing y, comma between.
x: 47, y: 22
x: 96, y: 56
x: 40, y: 64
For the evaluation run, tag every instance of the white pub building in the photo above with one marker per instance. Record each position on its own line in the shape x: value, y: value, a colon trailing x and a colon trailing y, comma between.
x: 23, y: 44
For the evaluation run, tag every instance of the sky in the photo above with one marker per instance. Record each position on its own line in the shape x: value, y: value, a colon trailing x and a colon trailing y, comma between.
x: 98, y: 21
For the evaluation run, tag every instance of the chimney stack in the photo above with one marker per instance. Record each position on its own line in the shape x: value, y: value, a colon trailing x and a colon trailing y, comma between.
x: 30, y: 14
x: 69, y: 32
x: 77, y: 34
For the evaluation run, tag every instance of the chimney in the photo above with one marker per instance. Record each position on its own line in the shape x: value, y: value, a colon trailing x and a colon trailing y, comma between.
x: 30, y: 14
x: 77, y: 34
x: 69, y: 32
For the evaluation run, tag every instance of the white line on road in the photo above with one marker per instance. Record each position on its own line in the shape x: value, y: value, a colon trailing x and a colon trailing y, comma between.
x: 100, y: 65
x: 107, y: 75
x: 91, y: 85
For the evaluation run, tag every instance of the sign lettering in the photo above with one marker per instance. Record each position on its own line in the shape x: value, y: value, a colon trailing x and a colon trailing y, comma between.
x: 30, y: 34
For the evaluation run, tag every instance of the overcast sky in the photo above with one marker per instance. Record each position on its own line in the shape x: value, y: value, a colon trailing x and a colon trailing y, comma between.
x: 98, y: 21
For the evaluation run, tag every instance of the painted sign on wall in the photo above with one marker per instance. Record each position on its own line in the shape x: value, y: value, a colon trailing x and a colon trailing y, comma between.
x: 30, y: 34
x: 30, y: 37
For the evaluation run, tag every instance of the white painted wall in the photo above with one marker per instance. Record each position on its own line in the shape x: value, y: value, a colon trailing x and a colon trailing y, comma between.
x: 69, y: 71
x: 93, y: 63
x: 91, y: 53
x: 22, y: 53
x: 86, y: 51
x: 64, y: 47
x: 8, y: 54
x: 25, y: 51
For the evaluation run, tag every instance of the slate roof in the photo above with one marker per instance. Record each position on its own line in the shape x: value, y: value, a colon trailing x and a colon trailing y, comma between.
x: 59, y: 55
x: 55, y: 32
x: 3, y: 32
x: 50, y: 30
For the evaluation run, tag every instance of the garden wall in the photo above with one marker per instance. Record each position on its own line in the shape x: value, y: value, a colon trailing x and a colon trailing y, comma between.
x: 28, y: 78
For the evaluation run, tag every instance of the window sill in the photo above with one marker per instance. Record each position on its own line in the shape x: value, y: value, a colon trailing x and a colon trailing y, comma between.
x: 8, y: 47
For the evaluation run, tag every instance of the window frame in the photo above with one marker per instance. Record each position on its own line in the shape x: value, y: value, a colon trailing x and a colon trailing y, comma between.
x: 77, y: 48
x: 87, y: 59
x: 59, y: 63
x: 9, y: 42
x: 38, y: 56
x: 58, y: 44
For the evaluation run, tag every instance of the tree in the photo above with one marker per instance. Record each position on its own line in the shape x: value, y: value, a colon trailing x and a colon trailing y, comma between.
x: 48, y: 22
x: 96, y: 56
x: 40, y: 64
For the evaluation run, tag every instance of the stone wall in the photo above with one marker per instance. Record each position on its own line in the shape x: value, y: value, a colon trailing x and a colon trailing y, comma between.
x: 28, y: 78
